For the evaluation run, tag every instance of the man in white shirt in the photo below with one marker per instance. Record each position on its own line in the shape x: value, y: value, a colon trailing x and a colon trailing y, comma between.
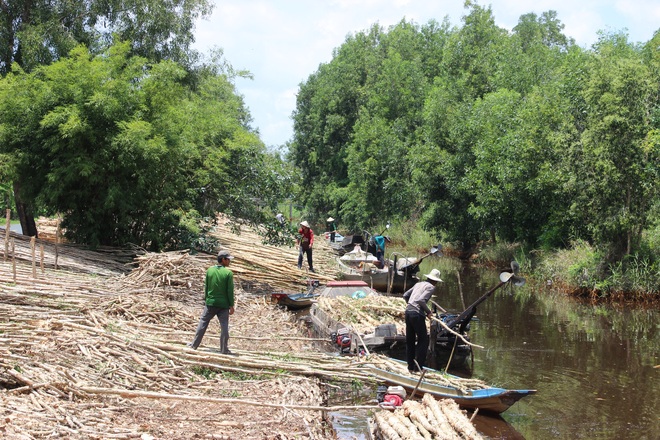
x: 417, y: 310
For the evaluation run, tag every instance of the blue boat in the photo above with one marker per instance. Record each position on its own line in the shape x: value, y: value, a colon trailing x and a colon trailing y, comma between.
x: 488, y: 399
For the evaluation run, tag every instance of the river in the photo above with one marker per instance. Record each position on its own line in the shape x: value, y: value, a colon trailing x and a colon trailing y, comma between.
x: 595, y: 367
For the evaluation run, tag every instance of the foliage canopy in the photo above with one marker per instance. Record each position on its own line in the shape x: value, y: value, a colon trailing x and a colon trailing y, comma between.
x: 128, y: 152
x: 485, y: 134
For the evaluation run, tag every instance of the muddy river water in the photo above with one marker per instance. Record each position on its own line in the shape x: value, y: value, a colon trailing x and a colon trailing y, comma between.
x: 596, y: 368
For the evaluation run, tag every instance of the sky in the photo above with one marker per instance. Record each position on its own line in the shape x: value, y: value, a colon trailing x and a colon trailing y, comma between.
x: 282, y: 42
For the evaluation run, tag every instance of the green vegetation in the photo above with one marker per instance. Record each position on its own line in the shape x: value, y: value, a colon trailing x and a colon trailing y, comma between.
x: 481, y: 135
x: 237, y: 375
x: 468, y: 135
x: 205, y: 372
x: 123, y: 129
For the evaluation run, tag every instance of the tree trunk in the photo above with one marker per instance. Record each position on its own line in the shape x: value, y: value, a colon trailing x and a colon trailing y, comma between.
x: 25, y: 214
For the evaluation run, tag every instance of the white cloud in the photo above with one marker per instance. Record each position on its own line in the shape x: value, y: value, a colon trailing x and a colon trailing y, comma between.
x: 282, y: 42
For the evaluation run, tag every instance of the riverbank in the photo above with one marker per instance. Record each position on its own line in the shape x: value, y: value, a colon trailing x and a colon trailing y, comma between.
x: 97, y: 348
x: 580, y: 271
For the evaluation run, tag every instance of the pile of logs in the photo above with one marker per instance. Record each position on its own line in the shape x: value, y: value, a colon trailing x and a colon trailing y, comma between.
x: 93, y: 351
x: 428, y: 419
x: 265, y: 268
x: 363, y: 315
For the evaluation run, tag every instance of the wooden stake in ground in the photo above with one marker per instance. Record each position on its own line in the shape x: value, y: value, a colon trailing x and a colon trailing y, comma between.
x: 13, y: 258
x: 41, y: 258
x: 57, y: 239
x: 7, y: 232
x: 34, y: 260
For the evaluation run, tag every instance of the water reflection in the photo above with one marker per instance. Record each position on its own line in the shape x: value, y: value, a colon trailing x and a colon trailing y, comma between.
x: 592, y: 366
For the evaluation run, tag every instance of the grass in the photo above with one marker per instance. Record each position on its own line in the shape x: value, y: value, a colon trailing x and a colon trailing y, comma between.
x: 205, y: 372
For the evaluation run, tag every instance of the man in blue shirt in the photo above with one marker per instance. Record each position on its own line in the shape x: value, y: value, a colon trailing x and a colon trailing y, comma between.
x: 379, y: 241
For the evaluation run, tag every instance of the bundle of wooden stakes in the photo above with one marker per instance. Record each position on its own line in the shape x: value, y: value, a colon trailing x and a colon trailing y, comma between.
x: 428, y: 419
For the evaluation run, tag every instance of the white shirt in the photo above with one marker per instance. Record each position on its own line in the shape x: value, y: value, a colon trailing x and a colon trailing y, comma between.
x: 417, y: 297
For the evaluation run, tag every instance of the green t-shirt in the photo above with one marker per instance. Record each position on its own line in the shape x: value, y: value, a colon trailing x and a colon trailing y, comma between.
x: 219, y: 287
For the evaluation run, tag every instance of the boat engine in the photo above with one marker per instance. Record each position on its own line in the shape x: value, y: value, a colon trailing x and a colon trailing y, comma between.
x: 342, y: 339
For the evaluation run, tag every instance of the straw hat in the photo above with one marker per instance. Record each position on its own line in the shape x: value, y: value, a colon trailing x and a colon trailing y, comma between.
x: 304, y: 223
x: 434, y: 275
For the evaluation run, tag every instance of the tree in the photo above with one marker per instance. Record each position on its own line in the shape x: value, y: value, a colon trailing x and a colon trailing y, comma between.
x: 617, y: 189
x: 35, y: 33
x: 128, y: 152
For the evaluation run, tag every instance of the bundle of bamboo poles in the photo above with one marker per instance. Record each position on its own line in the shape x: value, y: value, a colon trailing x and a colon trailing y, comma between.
x: 363, y: 315
x: 428, y: 419
x: 273, y: 268
x: 176, y: 269
x: 438, y: 377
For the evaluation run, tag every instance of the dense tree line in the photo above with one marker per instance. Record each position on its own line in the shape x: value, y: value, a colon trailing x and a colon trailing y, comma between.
x: 109, y: 119
x: 486, y: 134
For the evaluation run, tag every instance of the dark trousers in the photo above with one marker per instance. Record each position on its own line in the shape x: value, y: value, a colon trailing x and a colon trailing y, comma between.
x: 309, y: 257
x: 207, y: 316
x: 417, y: 340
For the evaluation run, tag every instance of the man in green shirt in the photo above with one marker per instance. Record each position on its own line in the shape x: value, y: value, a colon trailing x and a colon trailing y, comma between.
x: 219, y: 301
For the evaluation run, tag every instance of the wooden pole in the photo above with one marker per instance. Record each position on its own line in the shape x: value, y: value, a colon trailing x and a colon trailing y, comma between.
x: 41, y: 257
x: 419, y: 382
x: 34, y: 260
x: 57, y: 240
x: 460, y: 288
x: 8, y: 227
x: 13, y: 258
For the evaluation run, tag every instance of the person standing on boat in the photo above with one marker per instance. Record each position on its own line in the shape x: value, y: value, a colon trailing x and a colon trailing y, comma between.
x: 379, y: 241
x: 306, y: 243
x: 417, y: 310
x: 332, y: 228
x: 219, y: 301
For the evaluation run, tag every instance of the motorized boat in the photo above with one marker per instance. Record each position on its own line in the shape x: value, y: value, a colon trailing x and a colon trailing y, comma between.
x: 396, y: 276
x: 298, y: 301
x: 343, y: 334
x: 485, y: 398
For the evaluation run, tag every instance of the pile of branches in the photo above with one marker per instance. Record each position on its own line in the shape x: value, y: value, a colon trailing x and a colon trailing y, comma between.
x: 269, y: 268
x: 364, y: 314
x: 81, y: 366
x: 428, y: 419
x: 465, y: 385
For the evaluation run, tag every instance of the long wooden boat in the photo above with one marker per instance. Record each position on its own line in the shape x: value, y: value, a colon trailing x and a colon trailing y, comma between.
x: 341, y: 334
x: 489, y: 399
x: 395, y: 277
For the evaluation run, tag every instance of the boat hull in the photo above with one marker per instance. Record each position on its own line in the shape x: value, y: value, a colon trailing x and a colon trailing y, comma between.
x: 295, y: 301
x: 381, y: 280
x: 491, y: 400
